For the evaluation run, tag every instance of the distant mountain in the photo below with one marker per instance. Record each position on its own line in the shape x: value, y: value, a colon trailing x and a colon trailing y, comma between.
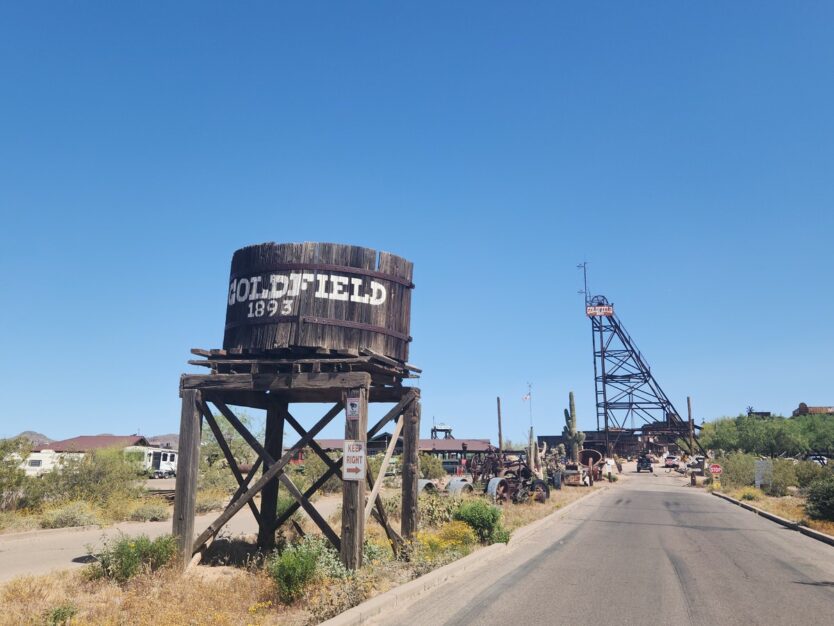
x: 37, y: 439
x: 171, y: 440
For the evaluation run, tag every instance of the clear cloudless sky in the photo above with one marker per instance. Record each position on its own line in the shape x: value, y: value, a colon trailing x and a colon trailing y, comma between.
x: 684, y: 149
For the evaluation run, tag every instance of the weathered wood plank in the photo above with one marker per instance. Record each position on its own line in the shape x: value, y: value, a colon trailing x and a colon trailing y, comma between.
x: 273, y: 444
x: 311, y: 511
x: 185, y: 494
x: 411, y: 435
x: 273, y: 471
x: 382, y: 468
x: 310, y: 491
x: 353, y: 491
x: 227, y: 453
x: 275, y: 382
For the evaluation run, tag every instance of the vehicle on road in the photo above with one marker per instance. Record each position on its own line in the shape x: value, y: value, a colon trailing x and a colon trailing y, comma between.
x: 671, y: 462
x: 643, y: 463
x: 819, y: 459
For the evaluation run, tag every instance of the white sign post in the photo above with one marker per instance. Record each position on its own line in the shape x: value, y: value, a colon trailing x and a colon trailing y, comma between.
x: 354, y: 460
x: 352, y: 408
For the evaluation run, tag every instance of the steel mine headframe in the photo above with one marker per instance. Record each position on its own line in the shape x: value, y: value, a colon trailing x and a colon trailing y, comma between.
x: 625, y: 386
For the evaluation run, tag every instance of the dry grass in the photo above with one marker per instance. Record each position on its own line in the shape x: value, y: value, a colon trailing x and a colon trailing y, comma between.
x: 517, y: 515
x: 219, y: 595
x: 789, y: 507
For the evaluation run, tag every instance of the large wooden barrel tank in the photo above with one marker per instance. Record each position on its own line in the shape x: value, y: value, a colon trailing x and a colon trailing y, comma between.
x: 327, y: 296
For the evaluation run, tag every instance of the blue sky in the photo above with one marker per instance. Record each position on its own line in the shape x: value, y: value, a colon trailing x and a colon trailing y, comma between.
x: 683, y: 149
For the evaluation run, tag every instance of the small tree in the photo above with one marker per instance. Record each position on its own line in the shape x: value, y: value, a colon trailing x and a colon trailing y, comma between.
x: 12, y: 477
x: 430, y: 466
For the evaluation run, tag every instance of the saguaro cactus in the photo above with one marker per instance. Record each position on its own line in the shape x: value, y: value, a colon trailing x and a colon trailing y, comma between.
x: 573, y: 439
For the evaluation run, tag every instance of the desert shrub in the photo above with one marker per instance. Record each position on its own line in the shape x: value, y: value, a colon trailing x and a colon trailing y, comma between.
x: 374, y: 552
x: 784, y: 476
x: 12, y: 478
x: 339, y: 595
x: 314, y: 467
x: 435, y: 510
x: 393, y: 505
x: 739, y: 469
x: 216, y: 478
x: 750, y: 494
x: 328, y: 561
x: 443, y: 545
x: 808, y: 471
x: 820, y: 503
x: 123, y: 558
x: 501, y: 535
x: 211, y: 500
x: 97, y: 477
x: 70, y: 514
x: 292, y: 570
x: 484, y: 518
x: 61, y: 614
x: 18, y: 520
x: 150, y: 512
x: 430, y: 466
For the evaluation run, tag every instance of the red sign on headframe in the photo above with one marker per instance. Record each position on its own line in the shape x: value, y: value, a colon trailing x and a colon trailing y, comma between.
x: 599, y: 311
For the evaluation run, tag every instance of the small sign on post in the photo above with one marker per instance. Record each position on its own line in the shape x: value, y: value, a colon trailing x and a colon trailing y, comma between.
x: 352, y: 408
x: 715, y: 470
x: 764, y: 473
x: 354, y: 460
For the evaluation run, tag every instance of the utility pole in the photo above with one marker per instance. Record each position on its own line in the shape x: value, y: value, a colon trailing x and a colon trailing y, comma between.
x: 500, y: 438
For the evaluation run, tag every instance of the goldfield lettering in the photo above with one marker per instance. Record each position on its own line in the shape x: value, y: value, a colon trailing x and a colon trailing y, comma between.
x: 327, y: 286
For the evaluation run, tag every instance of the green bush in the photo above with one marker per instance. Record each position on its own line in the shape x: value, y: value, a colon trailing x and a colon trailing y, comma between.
x: 150, y: 512
x: 820, y: 503
x: 784, y: 476
x: 435, y: 510
x: 12, y: 478
x: 123, y: 558
x: 292, y: 570
x: 393, y: 506
x: 97, y: 477
x: 484, y: 519
x: 430, y: 466
x: 61, y: 614
x: 70, y: 514
x: 808, y: 472
x: 739, y: 469
x: 207, y: 501
x: 314, y: 468
x: 750, y: 494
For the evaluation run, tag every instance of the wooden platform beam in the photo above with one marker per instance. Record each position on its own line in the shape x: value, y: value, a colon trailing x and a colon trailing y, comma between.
x: 273, y: 443
x: 185, y: 493
x: 411, y: 470
x: 353, y: 491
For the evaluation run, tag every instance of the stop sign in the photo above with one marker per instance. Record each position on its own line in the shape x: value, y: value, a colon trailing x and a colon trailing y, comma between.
x: 715, y: 468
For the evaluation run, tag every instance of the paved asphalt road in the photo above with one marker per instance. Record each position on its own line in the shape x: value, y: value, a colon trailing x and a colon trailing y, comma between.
x: 648, y: 551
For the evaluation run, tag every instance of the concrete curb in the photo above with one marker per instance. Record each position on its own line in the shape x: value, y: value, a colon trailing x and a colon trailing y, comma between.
x: 408, y: 593
x: 808, y: 532
x: 815, y: 534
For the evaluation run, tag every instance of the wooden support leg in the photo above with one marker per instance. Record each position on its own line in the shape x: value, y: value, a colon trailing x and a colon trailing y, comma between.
x: 353, y: 491
x: 187, y: 468
x: 273, y: 444
x: 411, y: 436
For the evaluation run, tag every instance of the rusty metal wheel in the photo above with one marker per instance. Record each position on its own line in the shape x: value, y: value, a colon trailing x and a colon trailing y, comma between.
x: 539, y: 491
x: 498, y: 489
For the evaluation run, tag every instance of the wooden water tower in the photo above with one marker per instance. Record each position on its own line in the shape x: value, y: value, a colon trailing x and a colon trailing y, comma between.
x: 306, y: 323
